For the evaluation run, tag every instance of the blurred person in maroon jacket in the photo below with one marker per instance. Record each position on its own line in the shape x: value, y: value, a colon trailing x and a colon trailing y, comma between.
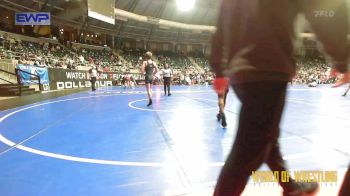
x: 345, y: 188
x: 255, y: 37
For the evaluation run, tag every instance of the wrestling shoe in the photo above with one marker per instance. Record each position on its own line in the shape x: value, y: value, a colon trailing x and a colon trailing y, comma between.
x: 150, y: 102
x: 223, y: 120
x: 218, y: 116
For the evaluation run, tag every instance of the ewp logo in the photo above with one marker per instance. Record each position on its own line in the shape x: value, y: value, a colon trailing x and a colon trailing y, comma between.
x: 33, y: 18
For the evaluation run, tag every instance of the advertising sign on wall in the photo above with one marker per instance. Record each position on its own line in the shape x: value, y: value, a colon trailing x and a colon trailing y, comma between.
x: 33, y: 18
x: 68, y: 79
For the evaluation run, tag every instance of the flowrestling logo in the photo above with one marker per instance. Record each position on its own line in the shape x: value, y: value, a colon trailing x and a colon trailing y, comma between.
x: 33, y: 18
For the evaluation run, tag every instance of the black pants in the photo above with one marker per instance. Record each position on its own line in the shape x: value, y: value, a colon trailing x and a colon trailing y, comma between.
x: 166, y: 84
x: 93, y: 81
x: 345, y: 188
x: 257, y: 136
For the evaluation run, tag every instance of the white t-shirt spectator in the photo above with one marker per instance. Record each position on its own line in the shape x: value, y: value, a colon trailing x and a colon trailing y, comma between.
x: 81, y: 59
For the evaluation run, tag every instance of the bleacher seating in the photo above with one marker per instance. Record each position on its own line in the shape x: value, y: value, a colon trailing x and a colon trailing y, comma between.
x: 49, y: 53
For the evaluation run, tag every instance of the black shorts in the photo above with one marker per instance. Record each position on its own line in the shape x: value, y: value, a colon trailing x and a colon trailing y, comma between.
x: 149, y: 80
x: 167, y: 80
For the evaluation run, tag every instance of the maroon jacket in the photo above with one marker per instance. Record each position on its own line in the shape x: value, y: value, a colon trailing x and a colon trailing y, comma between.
x: 256, y: 37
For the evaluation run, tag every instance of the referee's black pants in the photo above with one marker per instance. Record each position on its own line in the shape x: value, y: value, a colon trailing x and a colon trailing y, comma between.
x: 93, y: 81
x: 167, y: 81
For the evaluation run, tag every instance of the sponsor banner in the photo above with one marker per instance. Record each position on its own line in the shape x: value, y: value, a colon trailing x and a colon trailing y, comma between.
x: 33, y: 18
x: 67, y: 79
x: 80, y: 84
x: 28, y: 79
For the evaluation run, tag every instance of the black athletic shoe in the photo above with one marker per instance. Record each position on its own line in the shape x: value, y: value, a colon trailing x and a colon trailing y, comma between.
x: 303, y: 189
x: 223, y: 120
x: 169, y: 94
x: 218, y: 116
x: 344, y: 95
x: 150, y: 102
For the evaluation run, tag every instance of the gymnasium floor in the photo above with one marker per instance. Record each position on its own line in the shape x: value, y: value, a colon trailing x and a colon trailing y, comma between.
x: 109, y: 143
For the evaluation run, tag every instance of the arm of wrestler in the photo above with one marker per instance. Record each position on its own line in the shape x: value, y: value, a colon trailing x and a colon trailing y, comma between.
x: 143, y: 67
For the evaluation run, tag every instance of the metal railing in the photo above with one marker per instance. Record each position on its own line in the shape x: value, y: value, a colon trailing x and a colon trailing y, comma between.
x: 16, y: 74
x: 19, y: 78
x: 1, y: 70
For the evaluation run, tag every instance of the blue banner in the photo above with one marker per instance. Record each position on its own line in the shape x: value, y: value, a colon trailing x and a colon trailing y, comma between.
x: 30, y: 79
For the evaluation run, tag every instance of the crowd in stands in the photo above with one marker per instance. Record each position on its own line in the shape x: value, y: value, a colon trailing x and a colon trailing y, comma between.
x: 313, y: 72
x: 134, y: 57
x: 174, y: 60
x: 193, y: 78
x: 43, y: 54
x: 203, y: 62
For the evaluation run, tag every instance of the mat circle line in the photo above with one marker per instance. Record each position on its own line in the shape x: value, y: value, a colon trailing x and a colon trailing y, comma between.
x: 80, y: 159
